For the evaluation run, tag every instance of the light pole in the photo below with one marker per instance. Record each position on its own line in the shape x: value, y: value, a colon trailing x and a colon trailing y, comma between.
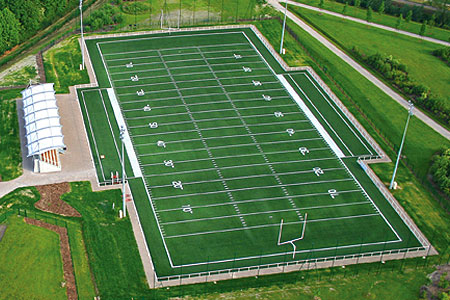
x: 410, y: 114
x: 122, y: 137
x: 284, y: 26
x: 82, y: 35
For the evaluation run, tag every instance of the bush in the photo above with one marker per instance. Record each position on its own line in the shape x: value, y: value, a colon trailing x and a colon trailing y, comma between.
x: 396, y: 72
x: 441, y: 171
x: 443, y: 53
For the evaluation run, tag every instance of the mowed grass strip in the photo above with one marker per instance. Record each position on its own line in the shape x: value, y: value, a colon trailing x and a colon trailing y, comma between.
x: 31, y: 265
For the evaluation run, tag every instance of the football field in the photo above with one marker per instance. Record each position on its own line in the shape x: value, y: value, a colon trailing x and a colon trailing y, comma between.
x: 231, y: 163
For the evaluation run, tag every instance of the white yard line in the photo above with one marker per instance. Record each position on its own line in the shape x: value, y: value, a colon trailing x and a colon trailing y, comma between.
x: 262, y: 213
x: 225, y: 137
x: 177, y: 209
x: 220, y: 119
x: 232, y: 156
x: 236, y: 146
x: 268, y: 225
x: 311, y: 116
x: 127, y: 141
x: 249, y: 165
x: 253, y: 188
x: 235, y: 178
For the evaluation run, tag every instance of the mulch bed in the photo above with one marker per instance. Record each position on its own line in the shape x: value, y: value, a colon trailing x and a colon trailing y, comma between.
x: 51, y: 200
x: 69, y: 276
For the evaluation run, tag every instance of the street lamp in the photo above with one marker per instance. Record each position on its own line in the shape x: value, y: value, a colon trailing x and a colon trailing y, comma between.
x: 284, y: 26
x: 82, y: 35
x: 410, y: 114
x: 122, y: 137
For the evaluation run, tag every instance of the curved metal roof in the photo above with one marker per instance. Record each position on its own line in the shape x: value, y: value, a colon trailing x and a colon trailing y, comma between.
x: 42, y: 126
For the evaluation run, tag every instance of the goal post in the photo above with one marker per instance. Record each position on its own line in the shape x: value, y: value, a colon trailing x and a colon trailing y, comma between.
x: 279, y: 243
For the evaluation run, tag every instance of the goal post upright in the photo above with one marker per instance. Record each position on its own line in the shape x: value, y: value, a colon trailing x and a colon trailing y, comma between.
x: 279, y: 242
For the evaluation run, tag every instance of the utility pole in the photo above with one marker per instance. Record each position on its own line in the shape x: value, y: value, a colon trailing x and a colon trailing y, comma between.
x: 122, y: 137
x: 82, y: 35
x: 410, y: 114
x: 284, y: 27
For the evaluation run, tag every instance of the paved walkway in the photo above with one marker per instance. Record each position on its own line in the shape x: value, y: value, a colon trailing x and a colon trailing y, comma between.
x: 394, y: 95
x: 357, y: 20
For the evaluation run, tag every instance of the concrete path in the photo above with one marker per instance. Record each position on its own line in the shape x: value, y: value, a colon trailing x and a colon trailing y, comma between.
x: 394, y: 95
x: 327, y: 12
x: 77, y: 164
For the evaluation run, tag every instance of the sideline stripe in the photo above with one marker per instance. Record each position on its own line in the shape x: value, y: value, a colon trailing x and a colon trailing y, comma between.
x: 121, y: 122
x: 311, y: 117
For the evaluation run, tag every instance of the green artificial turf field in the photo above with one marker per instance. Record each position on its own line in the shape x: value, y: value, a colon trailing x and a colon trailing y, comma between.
x: 231, y: 160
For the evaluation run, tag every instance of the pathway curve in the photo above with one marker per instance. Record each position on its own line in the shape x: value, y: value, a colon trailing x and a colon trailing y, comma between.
x: 357, y: 20
x: 394, y: 95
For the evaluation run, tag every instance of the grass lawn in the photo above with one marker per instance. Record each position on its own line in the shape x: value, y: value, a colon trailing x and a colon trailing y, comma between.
x: 30, y: 262
x: 10, y: 157
x: 24, y: 198
x: 62, y: 65
x: 422, y: 66
x: 386, y: 286
x: 383, y: 19
x: 110, y: 242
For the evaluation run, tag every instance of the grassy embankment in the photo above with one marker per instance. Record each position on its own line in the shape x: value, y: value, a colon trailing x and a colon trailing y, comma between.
x: 10, y: 157
x: 62, y: 65
x: 416, y: 54
x: 382, y: 19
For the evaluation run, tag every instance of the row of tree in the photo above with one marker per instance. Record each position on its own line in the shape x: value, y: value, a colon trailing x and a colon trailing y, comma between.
x: 440, y: 18
x: 106, y: 15
x: 21, y: 19
x: 441, y: 171
x: 396, y: 73
x: 443, y: 53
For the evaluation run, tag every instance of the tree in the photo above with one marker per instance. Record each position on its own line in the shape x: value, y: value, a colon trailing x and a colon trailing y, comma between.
x: 321, y: 3
x: 10, y: 29
x: 399, y: 21
x: 408, y: 16
x: 357, y: 3
x: 423, y: 28
x: 432, y: 20
x: 381, y: 8
x: 369, y: 14
x: 344, y: 10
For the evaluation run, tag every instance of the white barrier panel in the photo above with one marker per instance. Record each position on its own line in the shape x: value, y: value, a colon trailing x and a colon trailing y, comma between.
x: 311, y: 117
x: 121, y: 122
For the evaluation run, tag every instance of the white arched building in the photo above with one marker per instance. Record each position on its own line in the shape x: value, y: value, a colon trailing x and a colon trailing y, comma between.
x: 45, y: 140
